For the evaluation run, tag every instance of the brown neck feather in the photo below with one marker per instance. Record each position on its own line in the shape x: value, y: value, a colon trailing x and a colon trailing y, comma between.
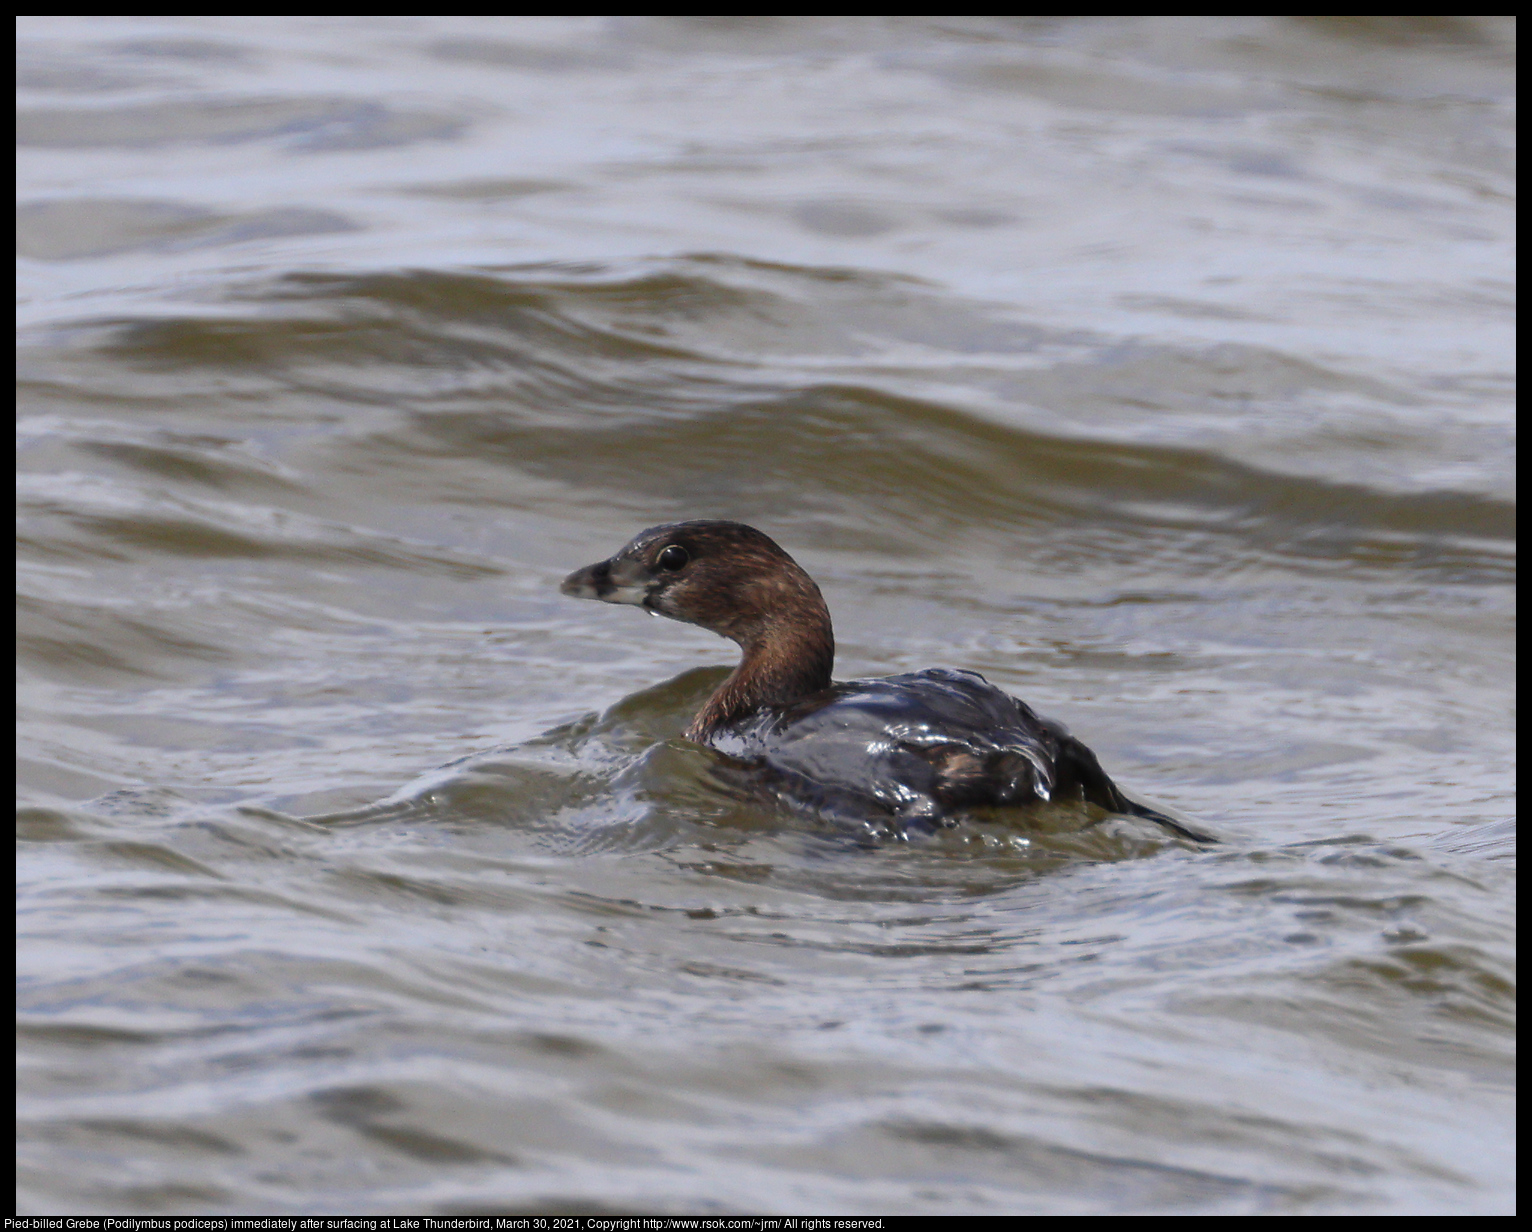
x: 787, y: 660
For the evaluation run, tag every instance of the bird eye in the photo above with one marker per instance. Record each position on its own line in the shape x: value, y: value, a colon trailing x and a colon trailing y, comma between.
x: 672, y: 558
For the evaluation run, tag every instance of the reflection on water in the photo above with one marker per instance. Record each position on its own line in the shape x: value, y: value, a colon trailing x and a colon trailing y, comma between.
x: 1158, y: 369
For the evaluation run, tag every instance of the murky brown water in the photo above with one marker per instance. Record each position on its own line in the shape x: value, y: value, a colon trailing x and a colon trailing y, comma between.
x: 1160, y: 369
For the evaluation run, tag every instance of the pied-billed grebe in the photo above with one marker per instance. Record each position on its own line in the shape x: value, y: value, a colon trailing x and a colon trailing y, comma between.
x: 911, y: 747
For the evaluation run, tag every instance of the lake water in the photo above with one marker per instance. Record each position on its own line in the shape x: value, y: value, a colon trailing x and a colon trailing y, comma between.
x: 1161, y: 369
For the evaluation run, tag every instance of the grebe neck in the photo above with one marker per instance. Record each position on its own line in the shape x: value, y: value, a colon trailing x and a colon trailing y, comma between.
x: 787, y: 659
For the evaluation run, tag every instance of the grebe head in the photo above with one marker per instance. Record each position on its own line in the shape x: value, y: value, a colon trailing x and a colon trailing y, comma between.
x: 731, y: 579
